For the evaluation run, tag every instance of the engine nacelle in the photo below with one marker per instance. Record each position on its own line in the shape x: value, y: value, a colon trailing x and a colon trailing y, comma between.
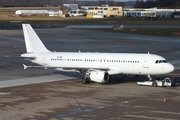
x: 99, y: 76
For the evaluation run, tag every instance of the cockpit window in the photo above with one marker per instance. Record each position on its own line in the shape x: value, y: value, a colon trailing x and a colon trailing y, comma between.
x: 164, y: 61
x: 160, y: 61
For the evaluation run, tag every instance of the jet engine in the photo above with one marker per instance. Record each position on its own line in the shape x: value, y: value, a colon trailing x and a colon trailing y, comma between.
x: 99, y: 76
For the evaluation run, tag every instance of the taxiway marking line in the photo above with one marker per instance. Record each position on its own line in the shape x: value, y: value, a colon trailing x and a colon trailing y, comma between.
x: 147, y: 117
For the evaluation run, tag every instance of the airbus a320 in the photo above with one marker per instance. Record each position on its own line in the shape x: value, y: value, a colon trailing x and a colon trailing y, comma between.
x: 97, y: 67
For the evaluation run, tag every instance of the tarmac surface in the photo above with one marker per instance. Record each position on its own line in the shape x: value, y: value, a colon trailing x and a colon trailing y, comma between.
x: 16, y: 26
x: 38, y: 94
x: 123, y: 26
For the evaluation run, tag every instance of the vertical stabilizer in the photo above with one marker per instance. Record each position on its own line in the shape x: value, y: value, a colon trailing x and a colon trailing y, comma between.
x: 32, y: 41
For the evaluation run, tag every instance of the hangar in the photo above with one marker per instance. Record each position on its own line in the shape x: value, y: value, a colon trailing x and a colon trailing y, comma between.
x: 31, y: 12
x: 37, y: 12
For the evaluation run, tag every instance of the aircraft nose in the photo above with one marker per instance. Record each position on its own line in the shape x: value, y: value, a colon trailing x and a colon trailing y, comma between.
x: 170, y: 68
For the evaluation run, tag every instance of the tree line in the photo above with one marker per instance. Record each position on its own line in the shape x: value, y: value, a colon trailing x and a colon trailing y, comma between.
x: 39, y: 3
x: 157, y: 3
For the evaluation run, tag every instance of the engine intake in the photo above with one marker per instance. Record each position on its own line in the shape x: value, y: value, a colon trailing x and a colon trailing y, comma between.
x: 99, y: 76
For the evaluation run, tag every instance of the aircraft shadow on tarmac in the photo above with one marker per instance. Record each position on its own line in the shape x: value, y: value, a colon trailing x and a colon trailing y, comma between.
x: 115, y: 79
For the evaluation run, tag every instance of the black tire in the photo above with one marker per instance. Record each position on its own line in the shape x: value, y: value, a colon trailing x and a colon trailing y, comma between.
x: 155, y: 84
x: 84, y: 81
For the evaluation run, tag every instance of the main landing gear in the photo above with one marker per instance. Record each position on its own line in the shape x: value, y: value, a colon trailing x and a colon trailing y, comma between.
x: 86, y: 79
x: 150, y: 77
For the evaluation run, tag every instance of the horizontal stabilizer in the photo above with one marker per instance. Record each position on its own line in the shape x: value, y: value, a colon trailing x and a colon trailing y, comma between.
x: 25, y: 66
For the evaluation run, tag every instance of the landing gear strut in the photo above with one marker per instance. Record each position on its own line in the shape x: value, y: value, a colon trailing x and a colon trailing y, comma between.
x: 86, y: 79
x: 150, y: 77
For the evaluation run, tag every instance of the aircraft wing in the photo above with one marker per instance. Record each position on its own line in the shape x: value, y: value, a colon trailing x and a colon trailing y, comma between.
x: 81, y: 70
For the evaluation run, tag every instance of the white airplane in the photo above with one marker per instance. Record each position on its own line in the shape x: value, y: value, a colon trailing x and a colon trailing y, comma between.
x: 97, y: 67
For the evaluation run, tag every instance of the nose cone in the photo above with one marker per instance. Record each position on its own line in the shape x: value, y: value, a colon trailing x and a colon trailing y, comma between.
x: 170, y: 68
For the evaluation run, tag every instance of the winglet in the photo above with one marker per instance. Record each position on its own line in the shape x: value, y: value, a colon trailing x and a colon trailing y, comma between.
x: 25, y: 66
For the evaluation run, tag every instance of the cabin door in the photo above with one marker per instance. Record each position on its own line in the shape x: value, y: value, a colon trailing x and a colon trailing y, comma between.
x: 45, y: 60
x: 146, y: 62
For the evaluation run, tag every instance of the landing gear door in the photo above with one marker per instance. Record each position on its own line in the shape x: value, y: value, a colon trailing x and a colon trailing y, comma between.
x: 146, y: 62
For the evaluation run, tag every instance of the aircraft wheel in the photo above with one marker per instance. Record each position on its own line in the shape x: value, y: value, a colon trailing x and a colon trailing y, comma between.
x: 84, y: 81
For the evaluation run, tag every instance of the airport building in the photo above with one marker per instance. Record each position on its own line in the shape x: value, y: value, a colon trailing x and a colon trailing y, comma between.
x: 72, y: 10
x: 31, y: 12
x: 73, y: 7
x: 55, y: 13
x: 103, y: 11
x: 140, y: 13
x: 152, y: 12
x: 37, y: 12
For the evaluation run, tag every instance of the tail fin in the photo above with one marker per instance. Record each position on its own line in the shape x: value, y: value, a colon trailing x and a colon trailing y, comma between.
x: 32, y: 41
